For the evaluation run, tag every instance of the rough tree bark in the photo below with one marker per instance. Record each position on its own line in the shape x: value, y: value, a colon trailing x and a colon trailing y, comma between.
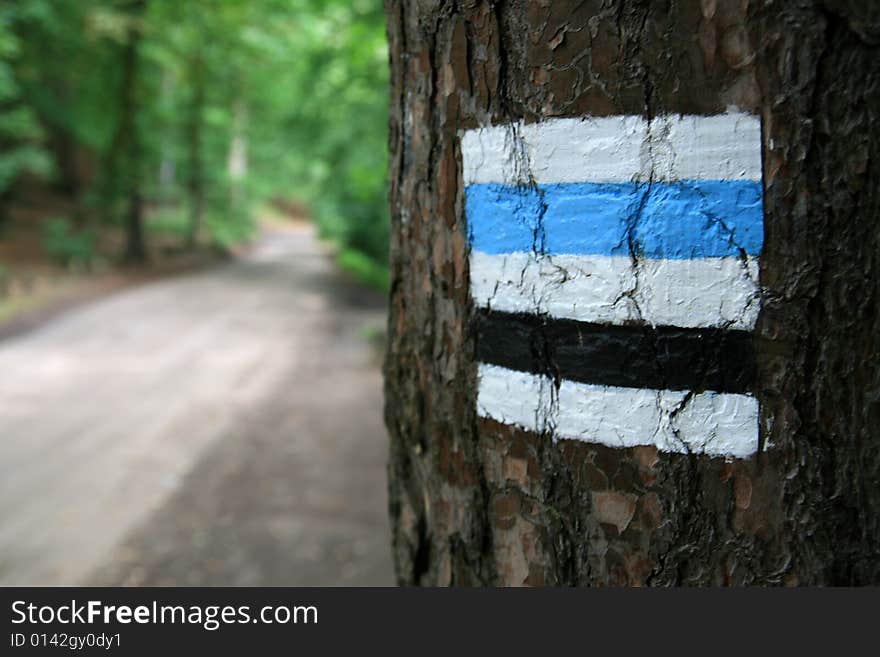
x: 476, y: 502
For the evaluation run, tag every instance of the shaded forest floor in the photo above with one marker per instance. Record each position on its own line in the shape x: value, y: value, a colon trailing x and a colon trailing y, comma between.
x: 36, y: 285
x: 223, y: 426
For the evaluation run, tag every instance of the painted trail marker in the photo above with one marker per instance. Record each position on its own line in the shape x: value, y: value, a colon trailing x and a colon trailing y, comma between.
x: 615, y: 262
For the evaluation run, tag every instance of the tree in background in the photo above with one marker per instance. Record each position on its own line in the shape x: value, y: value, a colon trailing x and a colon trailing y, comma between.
x: 126, y: 148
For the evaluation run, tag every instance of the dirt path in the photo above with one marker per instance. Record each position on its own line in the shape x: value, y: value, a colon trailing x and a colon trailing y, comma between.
x: 217, y: 428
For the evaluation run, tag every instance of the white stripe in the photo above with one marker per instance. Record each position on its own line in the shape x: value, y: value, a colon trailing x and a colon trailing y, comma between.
x: 717, y: 424
x: 610, y: 290
x: 557, y: 150
x: 615, y: 149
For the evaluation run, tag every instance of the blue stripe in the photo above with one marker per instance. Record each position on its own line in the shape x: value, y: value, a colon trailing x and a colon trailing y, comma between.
x: 680, y: 220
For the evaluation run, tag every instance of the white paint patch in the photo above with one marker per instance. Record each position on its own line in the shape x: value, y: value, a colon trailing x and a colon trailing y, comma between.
x: 716, y: 424
x: 718, y: 147
x: 615, y: 149
x: 712, y: 292
x: 516, y: 398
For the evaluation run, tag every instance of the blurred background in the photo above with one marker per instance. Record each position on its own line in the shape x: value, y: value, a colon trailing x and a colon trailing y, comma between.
x: 193, y: 266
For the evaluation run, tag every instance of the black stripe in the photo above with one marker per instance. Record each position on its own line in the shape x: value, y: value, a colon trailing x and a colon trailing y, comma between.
x: 632, y: 356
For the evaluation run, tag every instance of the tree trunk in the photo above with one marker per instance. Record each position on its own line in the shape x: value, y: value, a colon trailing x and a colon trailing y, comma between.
x: 129, y: 139
x: 478, y: 498
x: 196, y: 183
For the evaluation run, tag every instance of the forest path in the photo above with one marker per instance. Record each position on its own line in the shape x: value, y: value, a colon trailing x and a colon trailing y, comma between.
x: 216, y: 428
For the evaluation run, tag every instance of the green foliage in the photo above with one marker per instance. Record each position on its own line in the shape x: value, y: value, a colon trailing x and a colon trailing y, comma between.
x: 364, y: 268
x: 226, y: 229
x: 237, y: 102
x: 69, y: 247
x: 171, y: 222
x: 20, y: 133
x: 339, y: 125
x: 22, y: 158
